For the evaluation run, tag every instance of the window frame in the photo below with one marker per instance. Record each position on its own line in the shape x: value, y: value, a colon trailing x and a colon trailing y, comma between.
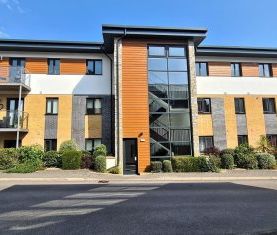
x: 199, y: 74
x: 93, y: 142
x: 93, y: 108
x: 54, y: 66
x: 53, y: 143
x: 94, y: 70
x: 239, y: 71
x: 205, y: 137
x: 274, y: 102
x: 236, y: 111
x: 243, y: 136
x: 263, y: 71
x: 269, y: 137
x: 210, y: 106
x: 52, y: 99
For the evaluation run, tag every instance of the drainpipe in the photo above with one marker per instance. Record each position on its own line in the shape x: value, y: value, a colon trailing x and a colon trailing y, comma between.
x: 111, y: 74
x: 117, y: 94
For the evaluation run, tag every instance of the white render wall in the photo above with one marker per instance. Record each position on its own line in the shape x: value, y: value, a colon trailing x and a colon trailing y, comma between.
x: 236, y: 85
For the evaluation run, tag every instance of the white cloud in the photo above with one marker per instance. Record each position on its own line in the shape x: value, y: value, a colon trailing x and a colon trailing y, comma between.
x: 4, y: 35
x: 13, y: 5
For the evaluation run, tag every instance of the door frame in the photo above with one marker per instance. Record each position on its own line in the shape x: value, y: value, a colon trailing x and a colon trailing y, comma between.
x: 124, y: 158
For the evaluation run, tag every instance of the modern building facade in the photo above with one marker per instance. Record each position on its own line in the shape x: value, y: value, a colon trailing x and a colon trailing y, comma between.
x: 145, y: 92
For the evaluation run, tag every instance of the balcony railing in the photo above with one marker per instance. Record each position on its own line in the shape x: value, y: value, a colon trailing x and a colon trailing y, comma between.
x: 9, y: 119
x: 14, y: 75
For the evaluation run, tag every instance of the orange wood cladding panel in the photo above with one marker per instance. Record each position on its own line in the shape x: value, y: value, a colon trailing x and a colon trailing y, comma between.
x: 135, y: 113
x: 219, y: 69
x: 250, y: 69
x: 4, y: 69
x: 36, y: 65
x: 274, y: 70
x: 73, y: 66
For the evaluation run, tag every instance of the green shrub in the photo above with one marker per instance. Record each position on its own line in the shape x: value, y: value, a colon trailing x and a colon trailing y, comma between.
x: 114, y: 170
x: 214, y: 163
x: 265, y: 160
x: 86, y: 160
x: 67, y: 146
x: 245, y: 157
x: 71, y: 160
x: 27, y: 167
x: 156, y: 166
x: 100, y: 150
x: 52, y: 159
x: 189, y: 164
x: 228, y: 151
x: 100, y: 164
x: 227, y: 161
x: 8, y: 158
x: 167, y: 167
x: 32, y: 153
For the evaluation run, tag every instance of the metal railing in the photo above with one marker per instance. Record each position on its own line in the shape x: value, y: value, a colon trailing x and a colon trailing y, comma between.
x: 9, y: 119
x: 14, y: 74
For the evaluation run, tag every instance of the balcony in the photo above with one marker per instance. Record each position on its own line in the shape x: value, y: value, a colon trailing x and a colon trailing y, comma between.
x: 9, y: 121
x: 12, y: 77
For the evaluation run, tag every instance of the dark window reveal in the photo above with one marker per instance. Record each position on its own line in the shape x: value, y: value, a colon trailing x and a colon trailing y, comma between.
x: 272, y: 139
x: 239, y: 106
x: 205, y: 143
x: 269, y: 105
x: 242, y: 139
x: 204, y: 105
x: 94, y: 106
x: 50, y: 144
x: 91, y: 144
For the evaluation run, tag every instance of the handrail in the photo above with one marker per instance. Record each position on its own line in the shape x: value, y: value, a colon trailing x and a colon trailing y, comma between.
x: 9, y: 119
x: 14, y: 74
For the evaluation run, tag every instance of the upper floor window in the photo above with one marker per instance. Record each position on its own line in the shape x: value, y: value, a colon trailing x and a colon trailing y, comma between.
x: 16, y: 68
x: 239, y: 106
x: 235, y: 70
x: 204, y: 105
x: 156, y: 51
x: 205, y: 143
x: 94, y: 67
x: 54, y: 66
x: 269, y: 105
x: 201, y: 69
x: 265, y: 70
x: 17, y: 62
x: 52, y: 106
x: 94, y: 106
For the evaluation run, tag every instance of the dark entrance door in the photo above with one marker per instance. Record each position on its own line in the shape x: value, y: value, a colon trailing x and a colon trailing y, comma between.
x: 130, y: 154
x: 12, y: 108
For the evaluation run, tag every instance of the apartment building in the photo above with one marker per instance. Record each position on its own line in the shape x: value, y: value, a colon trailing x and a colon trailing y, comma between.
x: 145, y: 92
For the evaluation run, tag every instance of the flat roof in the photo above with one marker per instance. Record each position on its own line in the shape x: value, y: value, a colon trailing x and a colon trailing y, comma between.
x: 236, y: 51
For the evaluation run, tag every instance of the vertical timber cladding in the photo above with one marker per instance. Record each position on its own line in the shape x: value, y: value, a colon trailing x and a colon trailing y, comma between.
x: 135, y: 111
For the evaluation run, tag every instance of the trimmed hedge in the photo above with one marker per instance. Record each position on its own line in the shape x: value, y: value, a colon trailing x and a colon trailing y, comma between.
x: 167, y: 167
x: 228, y: 151
x: 227, y: 161
x: 52, y: 159
x: 32, y: 154
x: 8, y: 158
x: 100, y: 164
x: 190, y: 164
x: 156, y: 166
x: 214, y: 163
x: 68, y: 145
x: 71, y: 160
x: 265, y: 160
x: 245, y: 157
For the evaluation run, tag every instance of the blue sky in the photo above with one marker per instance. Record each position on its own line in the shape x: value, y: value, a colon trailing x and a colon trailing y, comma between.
x: 229, y: 22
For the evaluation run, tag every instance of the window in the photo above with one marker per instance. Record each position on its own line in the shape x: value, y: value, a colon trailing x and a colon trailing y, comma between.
x: 239, y: 106
x: 205, y: 143
x: 94, y: 106
x: 50, y: 144
x: 242, y: 139
x: 156, y: 51
x: 52, y: 106
x: 91, y: 144
x: 53, y: 66
x: 94, y: 67
x: 269, y: 105
x: 204, y: 105
x: 201, y: 69
x: 17, y: 66
x: 235, y: 70
x: 265, y: 70
x: 272, y: 139
x: 176, y: 51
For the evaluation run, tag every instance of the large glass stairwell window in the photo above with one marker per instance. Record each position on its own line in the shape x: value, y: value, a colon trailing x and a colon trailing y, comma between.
x: 170, y: 128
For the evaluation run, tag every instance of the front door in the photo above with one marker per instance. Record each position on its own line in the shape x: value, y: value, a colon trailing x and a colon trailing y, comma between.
x: 130, y: 155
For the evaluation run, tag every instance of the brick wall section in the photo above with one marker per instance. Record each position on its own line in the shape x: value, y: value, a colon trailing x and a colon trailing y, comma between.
x: 219, y: 69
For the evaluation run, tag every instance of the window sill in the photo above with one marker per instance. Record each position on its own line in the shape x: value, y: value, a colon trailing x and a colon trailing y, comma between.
x: 202, y: 113
x: 51, y: 114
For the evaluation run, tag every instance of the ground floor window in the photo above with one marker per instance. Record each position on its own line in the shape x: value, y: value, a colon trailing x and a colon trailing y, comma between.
x: 91, y: 144
x: 272, y: 139
x: 242, y: 139
x: 205, y: 143
x: 50, y: 144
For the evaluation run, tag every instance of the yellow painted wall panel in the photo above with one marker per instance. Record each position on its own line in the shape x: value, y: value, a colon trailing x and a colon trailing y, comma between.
x: 205, y: 125
x: 93, y: 126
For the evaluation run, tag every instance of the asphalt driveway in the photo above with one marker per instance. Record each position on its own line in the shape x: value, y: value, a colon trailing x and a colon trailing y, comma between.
x: 181, y: 208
